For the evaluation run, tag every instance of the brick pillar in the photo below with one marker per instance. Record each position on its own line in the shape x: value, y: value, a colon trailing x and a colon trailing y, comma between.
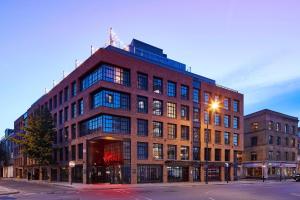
x: 58, y: 174
x: 223, y: 173
x: 84, y: 165
x: 202, y: 173
x: 165, y: 174
x: 190, y: 173
x: 133, y: 146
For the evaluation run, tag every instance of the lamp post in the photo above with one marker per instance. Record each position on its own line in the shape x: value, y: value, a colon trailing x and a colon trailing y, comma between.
x: 71, y: 165
x: 280, y: 176
x: 227, y: 171
x: 263, y: 172
x: 214, y: 105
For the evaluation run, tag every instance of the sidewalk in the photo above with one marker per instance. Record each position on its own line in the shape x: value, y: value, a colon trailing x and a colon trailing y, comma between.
x: 7, y: 191
x: 106, y: 186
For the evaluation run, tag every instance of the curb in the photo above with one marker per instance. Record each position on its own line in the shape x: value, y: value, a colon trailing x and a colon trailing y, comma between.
x: 8, y: 193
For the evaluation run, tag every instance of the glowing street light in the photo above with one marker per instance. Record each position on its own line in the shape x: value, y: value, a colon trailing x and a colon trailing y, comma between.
x: 213, y: 106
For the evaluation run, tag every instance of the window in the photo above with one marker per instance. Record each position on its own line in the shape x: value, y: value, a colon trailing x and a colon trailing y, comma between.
x: 254, y: 126
x: 50, y: 104
x: 195, y: 95
x: 157, y: 85
x: 157, y: 151
x: 73, y: 152
x: 157, y: 107
x: 172, y: 152
x: 60, y: 135
x: 105, y: 123
x: 293, y: 142
x: 172, y: 131
x: 270, y: 125
x: 217, y: 154
x: 226, y: 121
x: 73, y: 131
x: 60, y: 97
x: 236, y: 106
x: 74, y: 89
x: 171, y: 110
x: 171, y: 89
x: 196, y: 153
x: 55, y: 101
x: 217, y: 137
x: 236, y: 139
x: 149, y: 173
x: 66, y: 113
x: 66, y: 134
x: 278, y: 127
x: 270, y: 139
x: 207, y: 154
x: 206, y: 97
x: 294, y: 130
x: 142, y: 127
x: 293, y: 156
x: 61, y: 154
x: 184, y: 91
x: 235, y: 122
x: 226, y: 138
x: 80, y: 107
x: 66, y: 93
x: 253, y: 141
x: 226, y: 103
x: 185, y: 132
x: 157, y: 129
x: 142, y: 104
x: 142, y: 150
x: 184, y: 153
x: 196, y: 135
x: 66, y: 153
x: 184, y: 112
x: 80, y: 151
x: 217, y: 119
x: 196, y: 116
x: 106, y: 73
x: 253, y: 156
x: 286, y: 128
x: 286, y: 155
x: 142, y: 81
x: 227, y: 155
x: 270, y: 155
x: 111, y: 99
x: 60, y: 117
x: 73, y: 110
x: 207, y: 135
x: 278, y: 155
x: 206, y: 117
x: 287, y: 141
x: 278, y: 141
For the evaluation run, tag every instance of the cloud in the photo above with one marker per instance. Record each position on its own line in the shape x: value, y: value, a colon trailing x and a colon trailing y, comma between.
x: 265, y: 77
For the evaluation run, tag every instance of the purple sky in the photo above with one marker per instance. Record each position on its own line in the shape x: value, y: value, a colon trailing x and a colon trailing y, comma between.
x: 252, y: 46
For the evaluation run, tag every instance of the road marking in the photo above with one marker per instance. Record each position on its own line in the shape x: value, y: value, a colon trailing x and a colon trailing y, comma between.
x: 295, y: 194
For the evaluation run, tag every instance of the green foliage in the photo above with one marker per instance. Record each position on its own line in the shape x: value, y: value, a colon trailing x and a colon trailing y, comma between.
x: 38, y: 136
x: 3, y: 156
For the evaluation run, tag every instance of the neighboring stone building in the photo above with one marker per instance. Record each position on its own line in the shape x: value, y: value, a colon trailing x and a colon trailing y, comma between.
x: 271, y: 144
x: 136, y: 116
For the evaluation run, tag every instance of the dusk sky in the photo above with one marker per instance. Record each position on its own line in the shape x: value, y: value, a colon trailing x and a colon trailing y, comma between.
x: 251, y: 46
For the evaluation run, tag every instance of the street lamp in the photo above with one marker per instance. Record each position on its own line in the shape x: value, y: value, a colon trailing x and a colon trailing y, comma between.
x: 263, y: 172
x: 227, y: 171
x: 213, y: 106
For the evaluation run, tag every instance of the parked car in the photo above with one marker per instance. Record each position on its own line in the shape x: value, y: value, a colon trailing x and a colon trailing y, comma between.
x: 296, y: 177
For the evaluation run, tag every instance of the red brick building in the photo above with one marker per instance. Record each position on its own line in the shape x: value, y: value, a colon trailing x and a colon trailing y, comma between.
x: 136, y: 116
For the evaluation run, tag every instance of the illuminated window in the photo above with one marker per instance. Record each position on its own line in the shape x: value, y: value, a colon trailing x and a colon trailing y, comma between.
x: 157, y: 151
x: 157, y: 107
x: 184, y: 153
x: 184, y: 112
x: 172, y: 131
x: 142, y: 103
x: 171, y: 110
x: 157, y: 129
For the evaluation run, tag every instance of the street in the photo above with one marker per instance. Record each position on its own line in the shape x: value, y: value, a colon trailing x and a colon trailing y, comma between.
x: 234, y: 191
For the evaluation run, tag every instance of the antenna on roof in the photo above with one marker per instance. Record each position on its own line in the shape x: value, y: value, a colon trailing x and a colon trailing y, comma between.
x: 111, y: 41
x: 45, y: 90
x: 63, y: 74
x: 92, y: 49
x: 76, y: 63
x: 53, y: 83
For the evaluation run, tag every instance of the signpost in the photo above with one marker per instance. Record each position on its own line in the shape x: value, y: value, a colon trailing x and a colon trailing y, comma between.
x: 71, y: 165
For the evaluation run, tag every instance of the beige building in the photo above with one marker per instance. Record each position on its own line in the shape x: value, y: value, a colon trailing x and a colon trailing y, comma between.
x: 270, y: 145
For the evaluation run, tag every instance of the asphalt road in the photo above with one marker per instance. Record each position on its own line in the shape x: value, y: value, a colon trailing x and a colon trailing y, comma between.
x: 249, y: 191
